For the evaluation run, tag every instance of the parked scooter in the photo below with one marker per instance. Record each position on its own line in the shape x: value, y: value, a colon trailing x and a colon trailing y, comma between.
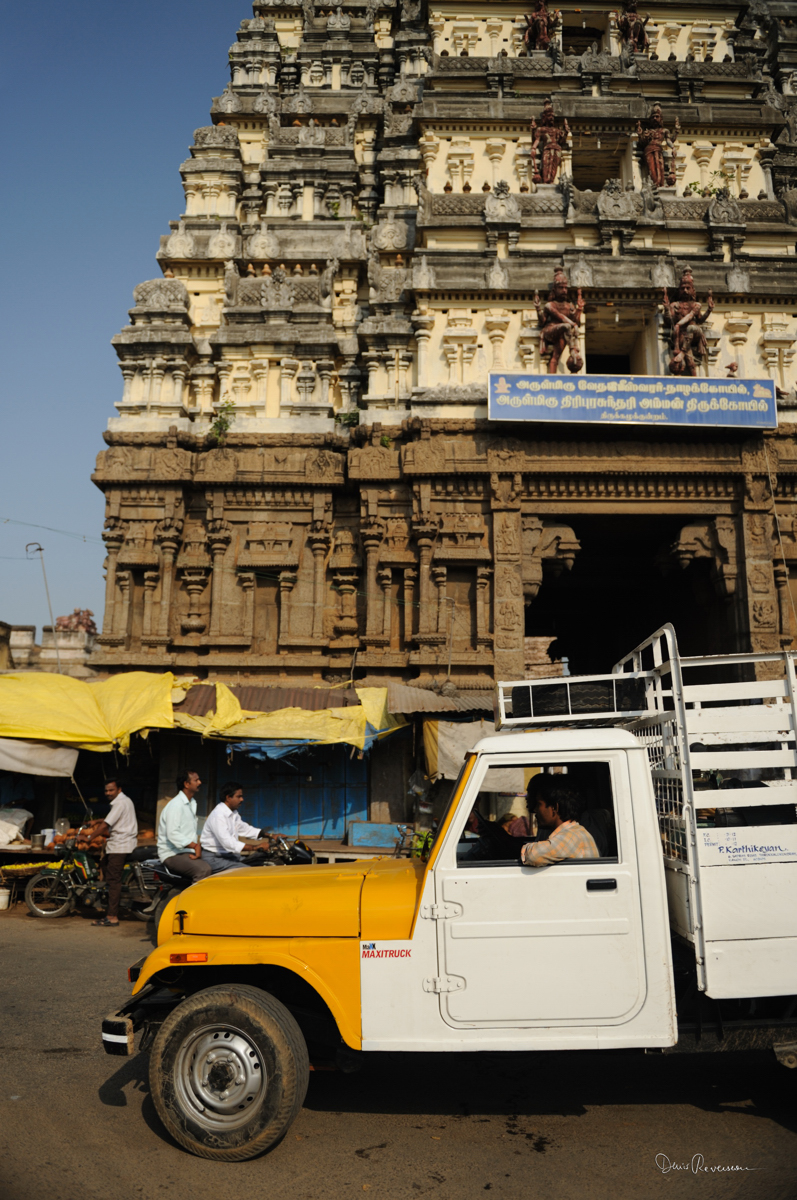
x: 57, y: 890
x: 279, y: 853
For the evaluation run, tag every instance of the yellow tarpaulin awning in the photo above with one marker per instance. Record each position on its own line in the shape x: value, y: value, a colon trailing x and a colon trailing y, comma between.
x: 89, y: 716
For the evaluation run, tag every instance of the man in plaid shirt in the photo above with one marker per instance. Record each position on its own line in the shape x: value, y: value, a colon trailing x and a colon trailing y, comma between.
x: 556, y: 809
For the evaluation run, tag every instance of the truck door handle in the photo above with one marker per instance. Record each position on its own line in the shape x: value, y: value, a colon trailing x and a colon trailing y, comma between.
x: 601, y: 885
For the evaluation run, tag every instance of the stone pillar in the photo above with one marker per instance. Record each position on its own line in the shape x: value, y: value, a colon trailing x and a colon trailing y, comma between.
x: 113, y: 537
x: 318, y: 541
x: 150, y: 583
x: 219, y: 535
x: 195, y: 579
x: 483, y: 575
x: 496, y: 322
x: 439, y: 580
x: 781, y: 572
x: 169, y: 537
x: 758, y: 535
x: 247, y: 581
x: 410, y: 582
x: 287, y: 583
x: 423, y: 321
x: 260, y: 373
x: 384, y: 578
x: 371, y: 536
x: 288, y: 369
x: 508, y: 608
x: 425, y: 533
x: 125, y: 579
x: 346, y: 624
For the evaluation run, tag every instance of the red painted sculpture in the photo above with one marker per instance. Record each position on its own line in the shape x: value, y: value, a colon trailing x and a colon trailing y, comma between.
x: 687, y: 339
x: 652, y: 141
x: 540, y: 27
x: 559, y: 321
x: 632, y: 28
x: 547, y: 144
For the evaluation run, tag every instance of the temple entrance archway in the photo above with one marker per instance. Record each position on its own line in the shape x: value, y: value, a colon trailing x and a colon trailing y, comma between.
x: 625, y: 583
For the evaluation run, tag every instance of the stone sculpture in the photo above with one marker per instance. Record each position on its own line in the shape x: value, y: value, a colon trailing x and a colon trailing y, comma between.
x: 559, y: 321
x: 652, y: 139
x: 80, y: 620
x: 684, y: 316
x: 547, y: 145
x: 540, y: 27
x: 632, y: 30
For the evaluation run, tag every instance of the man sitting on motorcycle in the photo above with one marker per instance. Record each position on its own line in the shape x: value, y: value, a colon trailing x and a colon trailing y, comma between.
x: 221, y: 839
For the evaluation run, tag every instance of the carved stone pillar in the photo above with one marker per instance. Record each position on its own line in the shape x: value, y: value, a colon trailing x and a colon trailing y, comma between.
x: 439, y: 580
x: 167, y: 533
x: 371, y: 535
x: 287, y: 584
x: 318, y: 541
x: 483, y: 635
x: 423, y: 321
x: 151, y: 579
x: 219, y: 535
x: 125, y: 579
x: 496, y: 322
x: 737, y: 329
x: 288, y: 369
x: 113, y: 536
x: 384, y: 578
x: 410, y: 584
x: 247, y: 582
x: 260, y: 373
x: 424, y: 534
x: 758, y: 532
x: 508, y: 609
x: 195, y: 580
x: 781, y: 572
x: 346, y: 624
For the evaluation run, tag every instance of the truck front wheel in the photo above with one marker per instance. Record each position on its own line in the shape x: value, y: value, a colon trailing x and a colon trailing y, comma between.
x: 228, y: 1072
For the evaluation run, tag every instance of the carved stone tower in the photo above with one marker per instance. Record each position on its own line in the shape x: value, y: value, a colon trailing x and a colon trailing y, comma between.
x: 302, y: 468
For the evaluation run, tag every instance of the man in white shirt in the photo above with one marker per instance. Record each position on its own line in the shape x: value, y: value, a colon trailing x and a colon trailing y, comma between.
x: 121, y: 828
x: 221, y: 837
x: 178, y: 845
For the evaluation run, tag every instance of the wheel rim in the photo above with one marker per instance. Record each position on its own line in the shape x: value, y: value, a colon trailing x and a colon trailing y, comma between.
x: 220, y: 1078
x: 48, y: 895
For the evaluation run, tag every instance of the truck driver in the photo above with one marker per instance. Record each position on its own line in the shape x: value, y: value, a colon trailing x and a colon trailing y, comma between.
x: 556, y: 807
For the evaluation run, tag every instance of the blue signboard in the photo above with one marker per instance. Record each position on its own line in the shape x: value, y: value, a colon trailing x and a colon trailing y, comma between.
x: 633, y: 400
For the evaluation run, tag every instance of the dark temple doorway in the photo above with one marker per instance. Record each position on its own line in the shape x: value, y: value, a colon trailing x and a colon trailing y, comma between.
x: 623, y: 586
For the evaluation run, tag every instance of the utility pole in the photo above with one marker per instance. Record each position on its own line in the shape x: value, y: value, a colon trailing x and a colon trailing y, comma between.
x: 35, y: 548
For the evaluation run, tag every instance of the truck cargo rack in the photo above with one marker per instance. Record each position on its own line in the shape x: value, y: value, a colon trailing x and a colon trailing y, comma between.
x: 721, y: 743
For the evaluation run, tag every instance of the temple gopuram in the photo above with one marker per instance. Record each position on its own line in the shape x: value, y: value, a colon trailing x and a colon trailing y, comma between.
x: 392, y: 204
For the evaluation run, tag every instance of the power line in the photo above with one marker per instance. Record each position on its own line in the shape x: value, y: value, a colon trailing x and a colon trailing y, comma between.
x: 81, y: 537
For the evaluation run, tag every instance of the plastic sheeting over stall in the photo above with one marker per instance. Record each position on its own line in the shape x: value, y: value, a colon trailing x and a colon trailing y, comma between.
x: 88, y: 716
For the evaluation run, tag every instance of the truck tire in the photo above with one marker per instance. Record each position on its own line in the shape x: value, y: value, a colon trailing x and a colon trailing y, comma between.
x: 228, y: 1072
x: 48, y: 896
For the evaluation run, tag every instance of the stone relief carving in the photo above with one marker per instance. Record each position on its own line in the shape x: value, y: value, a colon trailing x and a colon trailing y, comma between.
x: 161, y: 293
x: 228, y: 102
x: 390, y: 234
x: 500, y: 204
x: 581, y: 272
x: 715, y: 540
x: 559, y: 320
x: 222, y: 244
x: 652, y: 140
x: 180, y: 244
x: 225, y: 136
x: 264, y: 244
x: 547, y: 145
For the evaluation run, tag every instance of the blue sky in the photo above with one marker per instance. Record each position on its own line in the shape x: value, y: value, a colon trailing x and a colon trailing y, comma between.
x: 100, y: 101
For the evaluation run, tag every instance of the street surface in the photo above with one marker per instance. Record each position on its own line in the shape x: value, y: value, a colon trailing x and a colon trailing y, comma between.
x: 76, y: 1124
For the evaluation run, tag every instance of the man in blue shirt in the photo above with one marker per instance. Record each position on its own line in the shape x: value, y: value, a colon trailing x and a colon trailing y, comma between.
x: 178, y: 843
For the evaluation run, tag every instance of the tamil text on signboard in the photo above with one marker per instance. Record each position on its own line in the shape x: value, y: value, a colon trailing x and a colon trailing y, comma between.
x: 633, y: 399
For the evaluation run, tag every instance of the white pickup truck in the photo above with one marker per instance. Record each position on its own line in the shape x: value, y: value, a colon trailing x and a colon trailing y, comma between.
x: 680, y: 936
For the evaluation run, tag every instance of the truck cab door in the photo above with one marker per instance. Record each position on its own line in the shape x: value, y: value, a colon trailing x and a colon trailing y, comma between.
x: 541, y: 946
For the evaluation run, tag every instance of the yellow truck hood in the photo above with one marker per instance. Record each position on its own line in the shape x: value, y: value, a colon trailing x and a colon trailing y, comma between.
x: 375, y: 898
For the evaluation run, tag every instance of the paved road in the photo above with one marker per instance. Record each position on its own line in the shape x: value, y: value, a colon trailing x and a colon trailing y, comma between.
x: 78, y: 1125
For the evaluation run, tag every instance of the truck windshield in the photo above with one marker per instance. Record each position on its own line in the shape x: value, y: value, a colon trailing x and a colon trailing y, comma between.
x: 451, y: 807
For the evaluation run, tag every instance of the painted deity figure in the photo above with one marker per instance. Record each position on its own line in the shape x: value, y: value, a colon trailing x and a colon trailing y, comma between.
x: 559, y: 321
x: 547, y: 145
x: 540, y: 27
x: 684, y: 316
x: 632, y: 30
x: 652, y: 141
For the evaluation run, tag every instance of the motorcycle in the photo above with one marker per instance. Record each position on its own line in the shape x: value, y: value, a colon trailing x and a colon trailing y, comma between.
x: 278, y: 853
x: 57, y: 890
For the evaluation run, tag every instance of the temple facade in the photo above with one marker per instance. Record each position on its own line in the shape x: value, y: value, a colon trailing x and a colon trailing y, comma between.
x: 392, y: 200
